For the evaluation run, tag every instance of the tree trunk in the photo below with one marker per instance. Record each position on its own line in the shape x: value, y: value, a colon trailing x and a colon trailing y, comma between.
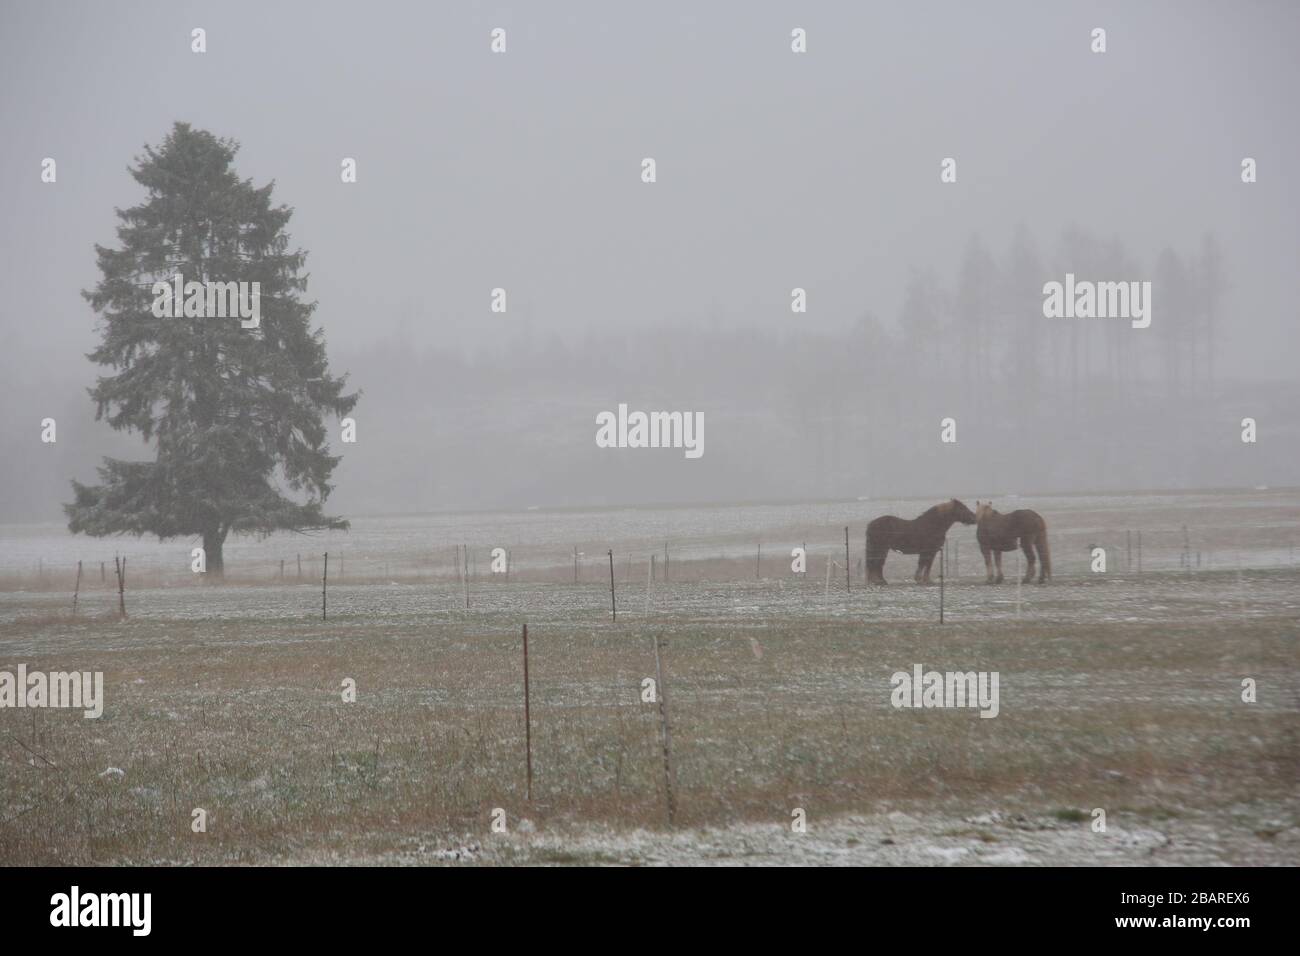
x: 212, y: 543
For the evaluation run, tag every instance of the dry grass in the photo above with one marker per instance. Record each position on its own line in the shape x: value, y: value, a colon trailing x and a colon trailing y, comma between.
x: 244, y: 718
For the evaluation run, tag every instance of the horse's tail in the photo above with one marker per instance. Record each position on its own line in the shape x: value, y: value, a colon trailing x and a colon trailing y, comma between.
x: 1044, y: 552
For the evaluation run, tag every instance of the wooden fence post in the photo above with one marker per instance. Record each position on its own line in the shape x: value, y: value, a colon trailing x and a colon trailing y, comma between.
x: 77, y: 590
x: 847, y: 584
x: 649, y: 582
x: 666, y: 735
x: 121, y: 585
x: 528, y: 721
x: 613, y: 607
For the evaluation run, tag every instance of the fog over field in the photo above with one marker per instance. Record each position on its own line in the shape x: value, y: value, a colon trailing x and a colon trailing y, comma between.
x: 776, y: 171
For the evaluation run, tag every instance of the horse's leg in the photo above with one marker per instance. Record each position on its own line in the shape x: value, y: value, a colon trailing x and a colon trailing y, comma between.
x: 875, y: 558
x: 920, y: 568
x: 988, y: 563
x: 923, y: 563
x: 1027, y: 546
x: 997, y: 558
x: 875, y: 570
x: 1044, y: 557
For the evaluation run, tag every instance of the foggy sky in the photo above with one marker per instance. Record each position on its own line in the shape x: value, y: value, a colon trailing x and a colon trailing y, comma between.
x: 522, y: 170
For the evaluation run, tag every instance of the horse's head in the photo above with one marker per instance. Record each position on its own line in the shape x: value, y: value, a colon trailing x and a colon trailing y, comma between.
x: 983, y: 510
x: 961, y: 512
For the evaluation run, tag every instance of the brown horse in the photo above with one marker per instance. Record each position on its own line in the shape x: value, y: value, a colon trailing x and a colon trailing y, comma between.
x: 997, y: 532
x: 921, y: 536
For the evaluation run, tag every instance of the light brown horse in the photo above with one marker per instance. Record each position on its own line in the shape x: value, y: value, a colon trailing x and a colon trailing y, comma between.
x: 997, y: 532
x: 922, y: 536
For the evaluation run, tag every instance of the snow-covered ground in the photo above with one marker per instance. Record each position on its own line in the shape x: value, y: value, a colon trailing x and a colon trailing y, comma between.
x: 1120, y: 690
x: 891, y: 838
x: 1253, y: 529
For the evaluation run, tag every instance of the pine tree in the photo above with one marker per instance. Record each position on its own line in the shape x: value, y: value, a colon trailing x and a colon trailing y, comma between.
x: 236, y: 414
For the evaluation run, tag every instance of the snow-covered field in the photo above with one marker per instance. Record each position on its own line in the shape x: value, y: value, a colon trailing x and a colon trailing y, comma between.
x: 889, y: 838
x: 1119, y: 691
x: 1251, y: 528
